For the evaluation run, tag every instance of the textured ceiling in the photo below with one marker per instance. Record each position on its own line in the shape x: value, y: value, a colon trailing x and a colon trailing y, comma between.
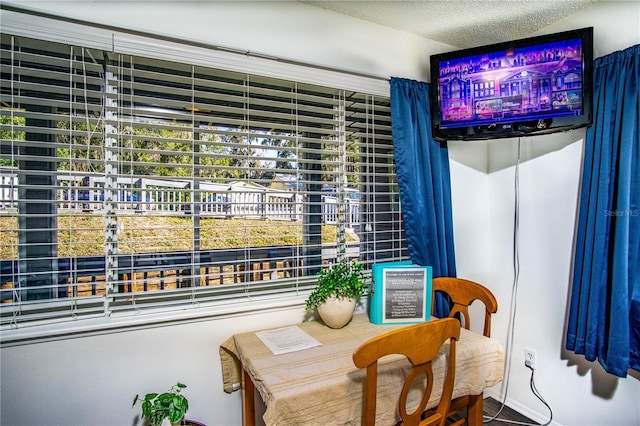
x: 460, y: 23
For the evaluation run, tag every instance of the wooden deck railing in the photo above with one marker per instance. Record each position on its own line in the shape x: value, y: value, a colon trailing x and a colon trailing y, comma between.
x: 86, y: 276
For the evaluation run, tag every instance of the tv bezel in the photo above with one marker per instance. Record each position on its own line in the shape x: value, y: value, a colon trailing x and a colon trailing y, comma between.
x: 516, y: 127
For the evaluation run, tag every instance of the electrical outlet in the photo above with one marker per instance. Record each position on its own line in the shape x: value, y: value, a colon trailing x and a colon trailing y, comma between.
x: 530, y: 358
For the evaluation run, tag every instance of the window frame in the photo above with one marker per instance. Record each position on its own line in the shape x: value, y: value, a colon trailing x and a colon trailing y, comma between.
x: 90, y: 36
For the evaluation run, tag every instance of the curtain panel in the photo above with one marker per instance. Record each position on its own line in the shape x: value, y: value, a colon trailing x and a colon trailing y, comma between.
x: 422, y: 166
x: 604, y: 312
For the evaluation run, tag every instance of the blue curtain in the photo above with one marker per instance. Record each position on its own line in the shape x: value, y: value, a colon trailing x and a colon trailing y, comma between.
x: 604, y: 312
x: 422, y: 166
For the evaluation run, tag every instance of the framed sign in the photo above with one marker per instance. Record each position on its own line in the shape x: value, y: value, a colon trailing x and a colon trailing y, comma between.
x: 401, y: 293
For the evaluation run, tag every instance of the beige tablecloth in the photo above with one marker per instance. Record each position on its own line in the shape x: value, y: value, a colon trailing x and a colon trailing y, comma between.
x: 321, y: 386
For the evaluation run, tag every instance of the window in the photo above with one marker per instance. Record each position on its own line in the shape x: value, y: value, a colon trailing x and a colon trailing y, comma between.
x: 130, y: 183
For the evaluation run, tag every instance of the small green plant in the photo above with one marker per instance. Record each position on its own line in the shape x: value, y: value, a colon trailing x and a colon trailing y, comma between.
x: 171, y: 405
x: 343, y: 280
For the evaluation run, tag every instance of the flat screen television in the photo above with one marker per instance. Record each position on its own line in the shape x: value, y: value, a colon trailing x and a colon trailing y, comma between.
x: 518, y: 88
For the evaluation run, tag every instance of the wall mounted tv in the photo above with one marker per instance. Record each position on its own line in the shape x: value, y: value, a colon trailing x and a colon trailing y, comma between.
x: 519, y: 88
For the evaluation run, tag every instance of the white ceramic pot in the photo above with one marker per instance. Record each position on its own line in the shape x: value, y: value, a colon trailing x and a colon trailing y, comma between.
x: 336, y: 313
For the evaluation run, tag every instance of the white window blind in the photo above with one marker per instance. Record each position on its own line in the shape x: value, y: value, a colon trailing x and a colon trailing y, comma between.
x: 130, y: 183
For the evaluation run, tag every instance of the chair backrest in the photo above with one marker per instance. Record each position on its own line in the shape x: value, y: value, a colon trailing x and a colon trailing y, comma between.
x: 464, y: 292
x: 421, y: 344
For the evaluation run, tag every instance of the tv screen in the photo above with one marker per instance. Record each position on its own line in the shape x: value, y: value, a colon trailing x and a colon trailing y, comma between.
x: 523, y: 87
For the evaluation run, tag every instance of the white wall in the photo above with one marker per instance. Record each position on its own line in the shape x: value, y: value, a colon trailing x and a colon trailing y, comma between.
x: 579, y: 392
x: 92, y: 380
x: 285, y: 29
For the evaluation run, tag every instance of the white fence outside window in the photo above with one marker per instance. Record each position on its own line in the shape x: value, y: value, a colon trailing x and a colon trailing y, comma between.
x: 84, y: 192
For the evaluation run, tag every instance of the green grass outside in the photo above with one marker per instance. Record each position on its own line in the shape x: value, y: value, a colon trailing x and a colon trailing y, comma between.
x: 83, y: 235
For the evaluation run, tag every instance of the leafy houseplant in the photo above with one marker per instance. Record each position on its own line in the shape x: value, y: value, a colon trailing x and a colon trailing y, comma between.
x: 171, y: 405
x: 342, y: 282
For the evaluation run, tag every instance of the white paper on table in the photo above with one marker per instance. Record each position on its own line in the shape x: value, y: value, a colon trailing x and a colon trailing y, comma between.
x: 287, y: 339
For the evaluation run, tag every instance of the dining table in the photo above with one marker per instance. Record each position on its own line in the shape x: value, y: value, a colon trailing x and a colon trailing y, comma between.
x: 318, y: 384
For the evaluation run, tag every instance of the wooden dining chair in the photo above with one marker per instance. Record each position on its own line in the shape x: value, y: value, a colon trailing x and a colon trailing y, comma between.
x: 420, y: 343
x: 462, y: 294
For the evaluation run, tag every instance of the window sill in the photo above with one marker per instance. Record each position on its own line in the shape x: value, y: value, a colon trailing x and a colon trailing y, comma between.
x: 43, y: 332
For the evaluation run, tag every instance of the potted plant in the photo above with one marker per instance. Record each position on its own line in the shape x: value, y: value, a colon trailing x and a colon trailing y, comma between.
x: 170, y: 405
x: 339, y: 286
